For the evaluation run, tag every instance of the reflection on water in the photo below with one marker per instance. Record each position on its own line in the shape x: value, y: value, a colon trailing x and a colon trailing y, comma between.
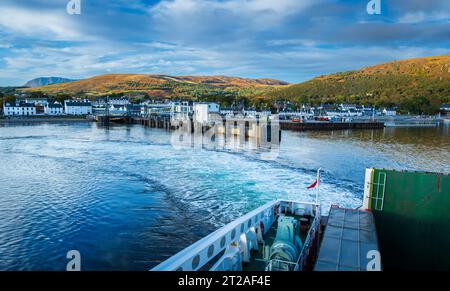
x: 127, y: 199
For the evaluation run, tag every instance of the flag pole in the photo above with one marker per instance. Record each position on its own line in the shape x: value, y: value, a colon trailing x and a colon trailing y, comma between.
x: 318, y: 185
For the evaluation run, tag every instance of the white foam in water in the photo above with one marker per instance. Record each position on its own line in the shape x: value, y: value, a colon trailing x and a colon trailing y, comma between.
x: 229, y: 184
x: 120, y: 194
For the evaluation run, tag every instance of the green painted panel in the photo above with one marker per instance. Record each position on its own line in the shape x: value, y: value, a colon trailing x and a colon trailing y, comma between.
x: 412, y: 216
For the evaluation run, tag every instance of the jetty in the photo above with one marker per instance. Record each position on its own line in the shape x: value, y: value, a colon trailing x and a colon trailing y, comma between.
x: 325, y: 125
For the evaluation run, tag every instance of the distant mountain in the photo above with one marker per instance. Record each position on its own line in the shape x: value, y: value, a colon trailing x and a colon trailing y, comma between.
x: 416, y: 85
x: 43, y: 81
x: 163, y: 86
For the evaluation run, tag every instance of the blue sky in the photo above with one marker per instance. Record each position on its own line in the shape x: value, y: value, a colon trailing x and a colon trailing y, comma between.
x: 290, y: 40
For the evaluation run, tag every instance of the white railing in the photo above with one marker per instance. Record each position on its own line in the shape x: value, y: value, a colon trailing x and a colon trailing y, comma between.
x: 313, y: 237
x: 197, y: 255
x: 200, y: 253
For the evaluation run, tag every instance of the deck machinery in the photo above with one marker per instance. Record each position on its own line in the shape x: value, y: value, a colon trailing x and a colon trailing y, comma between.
x: 279, y: 236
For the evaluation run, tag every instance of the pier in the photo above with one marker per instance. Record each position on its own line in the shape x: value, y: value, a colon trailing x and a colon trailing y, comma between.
x: 303, y: 126
x: 155, y: 121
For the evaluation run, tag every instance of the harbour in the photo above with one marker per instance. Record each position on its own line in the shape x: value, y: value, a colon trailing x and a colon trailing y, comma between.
x: 224, y: 143
x: 144, y: 200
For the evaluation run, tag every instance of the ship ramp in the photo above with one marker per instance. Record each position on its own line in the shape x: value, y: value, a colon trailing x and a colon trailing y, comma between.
x: 349, y: 242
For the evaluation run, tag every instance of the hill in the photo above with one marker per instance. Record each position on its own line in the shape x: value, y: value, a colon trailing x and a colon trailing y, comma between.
x: 415, y: 85
x: 9, y: 91
x: 163, y: 86
x: 43, y: 81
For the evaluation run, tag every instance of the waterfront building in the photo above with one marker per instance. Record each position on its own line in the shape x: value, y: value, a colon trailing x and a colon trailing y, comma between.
x: 202, y: 110
x: 389, y: 112
x: 155, y: 108
x: 346, y: 107
x: 36, y: 101
x: 99, y: 102
x: 98, y: 108
x: 54, y: 109
x: 181, y: 109
x: 19, y: 109
x: 116, y: 109
x: 337, y: 113
x: 77, y: 107
x: 289, y: 115
x: 119, y: 101
x: 355, y: 112
x: 445, y: 108
x: 134, y: 109
x: 368, y: 111
x: 226, y: 111
x: 102, y: 101
x: 250, y: 113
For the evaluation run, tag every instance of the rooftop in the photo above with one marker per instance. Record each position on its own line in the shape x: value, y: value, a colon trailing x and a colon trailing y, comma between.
x: 21, y: 104
x: 77, y: 103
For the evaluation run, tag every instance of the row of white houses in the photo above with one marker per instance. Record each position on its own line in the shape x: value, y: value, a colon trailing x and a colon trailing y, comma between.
x: 19, y: 109
x: 70, y: 107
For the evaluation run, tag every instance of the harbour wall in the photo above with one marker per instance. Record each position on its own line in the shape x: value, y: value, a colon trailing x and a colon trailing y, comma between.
x: 297, y: 126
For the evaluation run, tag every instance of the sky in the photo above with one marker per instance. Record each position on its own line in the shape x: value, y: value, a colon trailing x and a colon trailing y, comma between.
x: 289, y: 40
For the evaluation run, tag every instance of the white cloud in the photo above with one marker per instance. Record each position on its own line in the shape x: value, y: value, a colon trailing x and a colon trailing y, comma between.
x: 5, y: 45
x: 203, y: 14
x: 46, y: 24
x: 294, y: 65
x: 420, y: 17
x: 292, y: 42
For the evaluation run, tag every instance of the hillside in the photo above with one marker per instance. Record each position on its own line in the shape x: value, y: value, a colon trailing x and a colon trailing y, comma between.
x: 416, y: 85
x: 163, y: 86
x: 43, y: 81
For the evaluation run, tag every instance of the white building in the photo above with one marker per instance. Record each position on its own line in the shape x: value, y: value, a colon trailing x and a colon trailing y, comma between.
x: 54, y: 109
x: 445, y: 107
x: 389, y: 112
x: 19, y: 109
x: 119, y: 101
x: 117, y: 109
x: 226, y: 111
x: 181, y: 107
x: 75, y: 107
x: 35, y: 101
x: 155, y: 108
x: 203, y: 110
x: 346, y: 107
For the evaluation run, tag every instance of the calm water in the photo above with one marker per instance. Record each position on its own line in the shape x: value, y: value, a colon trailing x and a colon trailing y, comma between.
x: 127, y: 199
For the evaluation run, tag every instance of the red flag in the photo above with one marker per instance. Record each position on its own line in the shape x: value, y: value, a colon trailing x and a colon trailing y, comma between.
x: 312, y: 185
x: 316, y: 183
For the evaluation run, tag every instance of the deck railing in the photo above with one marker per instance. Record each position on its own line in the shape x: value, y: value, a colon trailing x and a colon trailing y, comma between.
x: 311, y: 244
x: 197, y: 255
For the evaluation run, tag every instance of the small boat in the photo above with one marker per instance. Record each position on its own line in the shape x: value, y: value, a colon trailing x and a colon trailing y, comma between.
x: 281, y: 235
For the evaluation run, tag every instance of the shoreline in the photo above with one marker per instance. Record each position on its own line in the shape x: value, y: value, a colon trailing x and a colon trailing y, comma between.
x: 46, y: 119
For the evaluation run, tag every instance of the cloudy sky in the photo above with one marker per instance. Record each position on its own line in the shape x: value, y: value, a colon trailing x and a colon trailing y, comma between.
x: 291, y: 40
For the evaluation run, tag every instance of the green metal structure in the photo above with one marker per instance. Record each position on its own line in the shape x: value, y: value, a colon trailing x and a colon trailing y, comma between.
x: 412, y: 217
